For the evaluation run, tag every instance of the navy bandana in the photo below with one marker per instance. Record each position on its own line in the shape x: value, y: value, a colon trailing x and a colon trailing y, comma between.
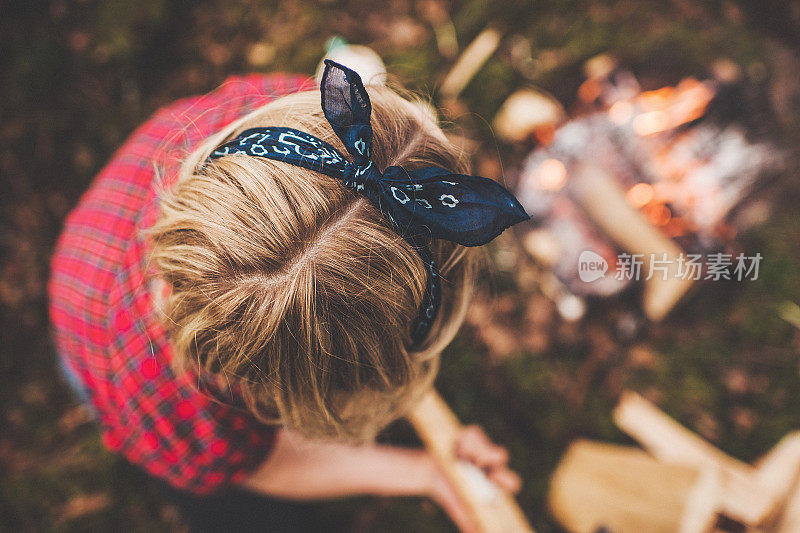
x: 421, y: 204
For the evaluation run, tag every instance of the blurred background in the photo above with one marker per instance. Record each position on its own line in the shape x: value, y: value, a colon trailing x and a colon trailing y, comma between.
x: 540, y: 362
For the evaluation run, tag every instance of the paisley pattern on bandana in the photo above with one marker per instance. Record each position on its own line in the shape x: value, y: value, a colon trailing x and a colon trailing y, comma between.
x: 422, y: 204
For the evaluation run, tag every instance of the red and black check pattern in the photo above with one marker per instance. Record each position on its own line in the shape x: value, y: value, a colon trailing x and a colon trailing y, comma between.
x: 104, y: 323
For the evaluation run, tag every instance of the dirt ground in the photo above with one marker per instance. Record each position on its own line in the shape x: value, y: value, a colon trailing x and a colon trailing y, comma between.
x: 78, y: 77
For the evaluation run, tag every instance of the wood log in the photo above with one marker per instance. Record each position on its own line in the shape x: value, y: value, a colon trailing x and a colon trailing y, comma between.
x: 780, y: 470
x: 469, y: 63
x: 746, y: 496
x: 604, y: 201
x: 623, y: 489
x: 492, y: 510
x: 789, y: 521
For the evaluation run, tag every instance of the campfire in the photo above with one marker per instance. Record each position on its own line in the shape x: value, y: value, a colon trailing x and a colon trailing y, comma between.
x: 652, y: 173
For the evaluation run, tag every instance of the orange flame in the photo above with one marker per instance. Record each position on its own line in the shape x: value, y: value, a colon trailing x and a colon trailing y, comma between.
x: 665, y: 108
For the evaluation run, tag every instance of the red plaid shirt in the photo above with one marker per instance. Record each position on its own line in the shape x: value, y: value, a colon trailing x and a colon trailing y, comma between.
x: 105, y: 327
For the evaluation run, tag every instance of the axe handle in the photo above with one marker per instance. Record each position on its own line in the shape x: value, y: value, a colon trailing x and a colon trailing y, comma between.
x: 439, y: 430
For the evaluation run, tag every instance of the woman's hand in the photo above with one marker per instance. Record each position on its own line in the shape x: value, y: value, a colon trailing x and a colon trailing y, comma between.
x: 299, y: 468
x: 476, y: 447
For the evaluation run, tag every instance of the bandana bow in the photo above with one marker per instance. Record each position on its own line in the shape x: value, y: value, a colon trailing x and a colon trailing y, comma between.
x: 421, y: 204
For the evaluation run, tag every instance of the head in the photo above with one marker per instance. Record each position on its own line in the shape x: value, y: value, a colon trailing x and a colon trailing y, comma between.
x: 298, y: 289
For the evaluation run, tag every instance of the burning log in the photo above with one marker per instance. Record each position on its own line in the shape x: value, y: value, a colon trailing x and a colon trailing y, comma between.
x: 604, y: 202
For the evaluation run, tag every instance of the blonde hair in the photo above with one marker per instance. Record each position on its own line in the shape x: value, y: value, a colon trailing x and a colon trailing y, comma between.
x: 299, y: 289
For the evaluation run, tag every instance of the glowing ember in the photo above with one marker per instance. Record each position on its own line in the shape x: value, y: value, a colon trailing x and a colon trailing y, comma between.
x: 552, y: 174
x: 678, y: 227
x: 650, y: 123
x: 640, y: 194
x: 590, y: 90
x: 657, y: 214
x: 621, y: 112
x: 657, y: 99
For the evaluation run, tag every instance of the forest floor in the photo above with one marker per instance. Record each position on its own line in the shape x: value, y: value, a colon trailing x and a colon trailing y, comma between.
x: 80, y: 76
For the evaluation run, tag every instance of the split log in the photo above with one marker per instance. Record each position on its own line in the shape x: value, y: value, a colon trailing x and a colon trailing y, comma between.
x: 780, y: 470
x: 789, y: 521
x: 623, y: 489
x: 749, y: 495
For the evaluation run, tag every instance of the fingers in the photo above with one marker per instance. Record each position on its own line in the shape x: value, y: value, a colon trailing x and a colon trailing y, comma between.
x: 506, y: 479
x: 476, y: 447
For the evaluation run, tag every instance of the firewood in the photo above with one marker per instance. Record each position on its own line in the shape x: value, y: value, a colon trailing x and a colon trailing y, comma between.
x: 524, y: 112
x: 470, y: 62
x: 623, y: 489
x: 749, y: 495
x: 605, y: 204
x: 780, y: 470
x: 789, y: 521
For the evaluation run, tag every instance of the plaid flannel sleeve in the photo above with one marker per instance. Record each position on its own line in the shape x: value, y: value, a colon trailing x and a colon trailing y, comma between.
x: 103, y: 318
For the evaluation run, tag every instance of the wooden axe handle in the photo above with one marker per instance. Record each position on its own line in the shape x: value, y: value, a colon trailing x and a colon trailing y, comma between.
x: 493, y: 510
